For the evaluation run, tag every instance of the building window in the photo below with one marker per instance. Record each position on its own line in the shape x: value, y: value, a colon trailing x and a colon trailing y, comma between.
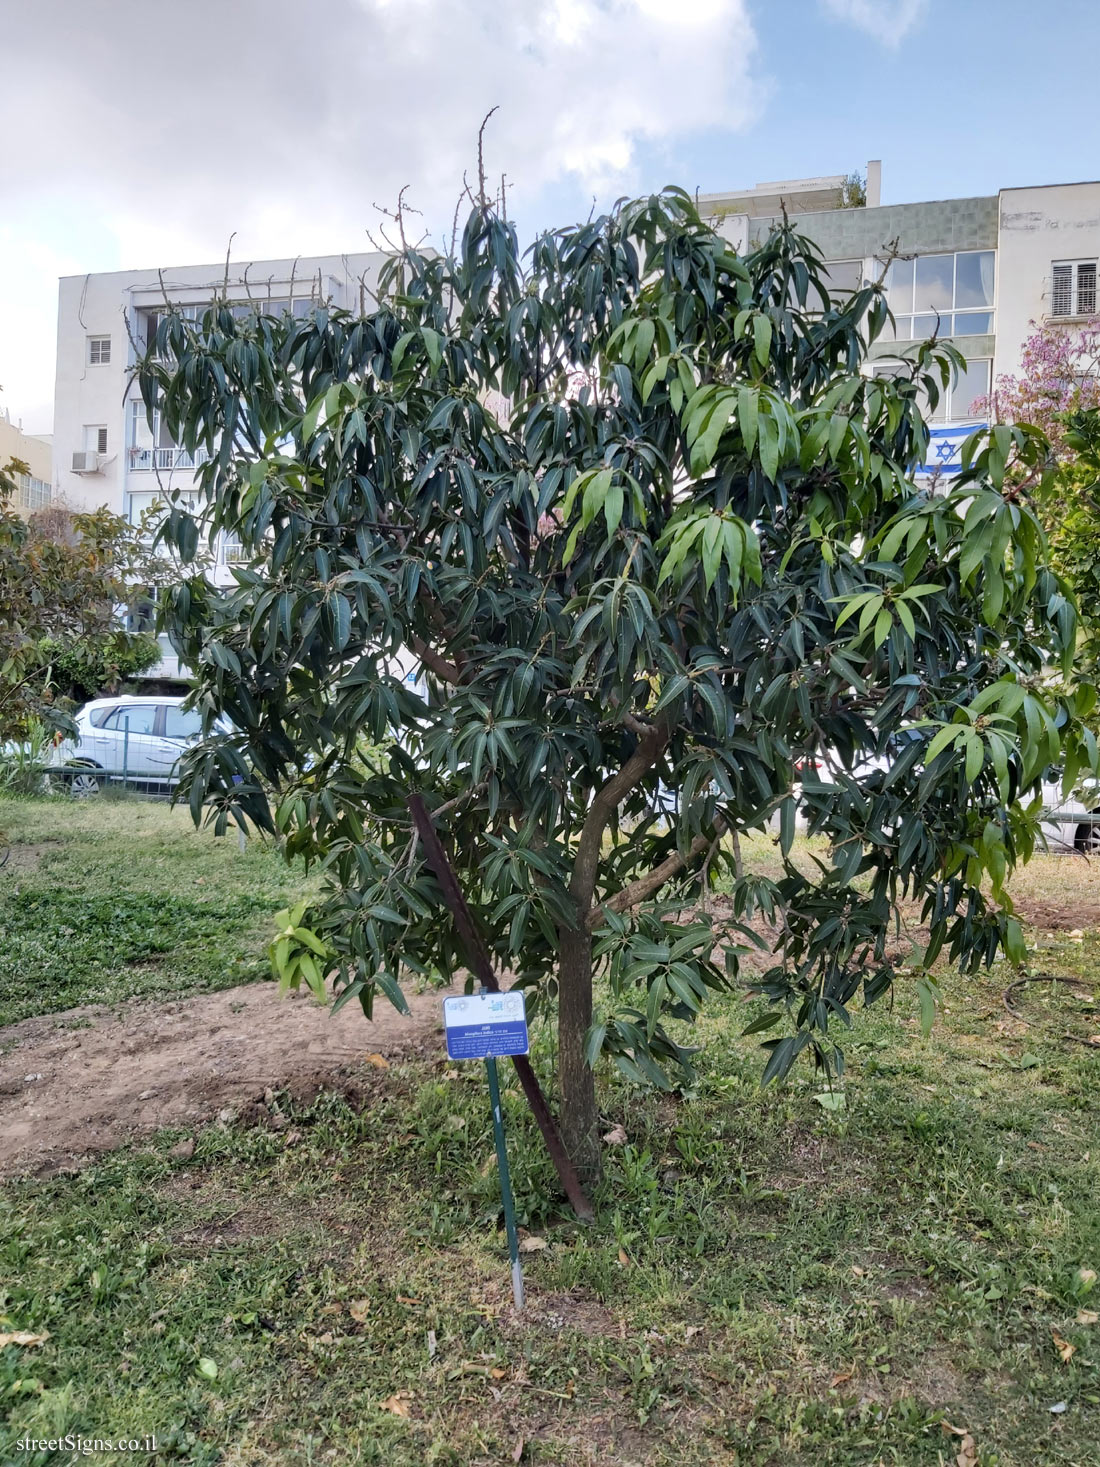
x: 958, y: 399
x: 95, y: 438
x: 99, y: 351
x: 142, y: 614
x: 34, y: 493
x: 842, y: 278
x: 233, y: 552
x: 152, y: 447
x: 1073, y: 288
x: 952, y: 295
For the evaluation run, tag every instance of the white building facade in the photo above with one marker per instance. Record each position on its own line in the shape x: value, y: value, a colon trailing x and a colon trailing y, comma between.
x: 104, y: 449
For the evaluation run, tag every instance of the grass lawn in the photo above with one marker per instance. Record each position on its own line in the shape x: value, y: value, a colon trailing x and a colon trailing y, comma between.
x: 108, y: 899
x: 910, y: 1279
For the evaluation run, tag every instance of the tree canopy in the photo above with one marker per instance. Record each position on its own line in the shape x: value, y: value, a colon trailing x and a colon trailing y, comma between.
x: 1057, y: 390
x: 631, y: 505
x: 66, y: 579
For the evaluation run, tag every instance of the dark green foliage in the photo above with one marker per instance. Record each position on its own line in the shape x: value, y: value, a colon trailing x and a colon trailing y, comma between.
x: 632, y: 506
x: 85, y: 669
x: 64, y: 579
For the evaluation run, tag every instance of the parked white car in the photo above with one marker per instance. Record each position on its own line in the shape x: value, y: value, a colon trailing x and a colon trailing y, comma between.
x: 1073, y: 824
x: 131, y: 739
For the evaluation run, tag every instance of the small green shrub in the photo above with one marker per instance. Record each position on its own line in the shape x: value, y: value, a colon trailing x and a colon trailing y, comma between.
x: 22, y: 763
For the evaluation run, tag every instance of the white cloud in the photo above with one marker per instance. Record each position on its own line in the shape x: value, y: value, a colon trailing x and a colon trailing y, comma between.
x: 887, y: 21
x: 174, y: 125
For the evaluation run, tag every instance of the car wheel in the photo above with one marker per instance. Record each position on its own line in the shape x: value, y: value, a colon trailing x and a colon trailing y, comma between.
x: 1087, y: 838
x: 84, y: 782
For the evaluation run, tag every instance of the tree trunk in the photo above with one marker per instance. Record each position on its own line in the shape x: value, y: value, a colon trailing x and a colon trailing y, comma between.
x: 579, y: 1123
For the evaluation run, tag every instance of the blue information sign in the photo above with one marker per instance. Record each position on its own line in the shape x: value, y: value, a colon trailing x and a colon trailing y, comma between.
x: 485, y: 1025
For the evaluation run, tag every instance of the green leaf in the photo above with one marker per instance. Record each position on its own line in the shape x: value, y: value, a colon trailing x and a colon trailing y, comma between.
x: 949, y: 734
x: 748, y: 412
x: 929, y: 996
x: 762, y: 1022
x: 613, y: 508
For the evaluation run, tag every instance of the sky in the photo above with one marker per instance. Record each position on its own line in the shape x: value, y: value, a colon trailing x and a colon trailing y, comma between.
x: 139, y: 133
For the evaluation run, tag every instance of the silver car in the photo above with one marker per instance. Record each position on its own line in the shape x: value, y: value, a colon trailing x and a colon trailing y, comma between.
x: 131, y: 739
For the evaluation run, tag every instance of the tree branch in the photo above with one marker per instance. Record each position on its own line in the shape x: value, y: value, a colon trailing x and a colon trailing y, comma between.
x: 637, y: 891
x: 446, y: 671
x: 649, y: 749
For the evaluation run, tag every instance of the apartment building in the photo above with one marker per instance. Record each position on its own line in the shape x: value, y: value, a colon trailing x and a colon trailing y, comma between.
x: 976, y: 271
x: 106, y: 451
x: 35, y: 488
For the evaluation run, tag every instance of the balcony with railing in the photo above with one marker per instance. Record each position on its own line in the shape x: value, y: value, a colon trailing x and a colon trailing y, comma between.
x: 145, y: 456
x: 151, y: 449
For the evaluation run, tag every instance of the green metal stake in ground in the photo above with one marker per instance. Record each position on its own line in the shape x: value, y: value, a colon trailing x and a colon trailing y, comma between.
x: 482, y: 1026
x: 505, y: 1182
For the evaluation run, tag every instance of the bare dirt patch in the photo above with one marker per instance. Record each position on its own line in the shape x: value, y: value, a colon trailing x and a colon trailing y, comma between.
x: 78, y: 1083
x: 22, y: 859
x: 1075, y: 913
x: 563, y: 1310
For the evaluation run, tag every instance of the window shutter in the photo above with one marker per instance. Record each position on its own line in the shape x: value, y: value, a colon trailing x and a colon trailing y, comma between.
x: 1086, y: 289
x: 101, y: 441
x: 1061, y: 290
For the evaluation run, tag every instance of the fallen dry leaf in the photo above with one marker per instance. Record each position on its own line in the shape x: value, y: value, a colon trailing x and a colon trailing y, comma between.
x: 949, y: 1430
x: 359, y: 1309
x: 497, y: 1373
x: 1087, y: 1316
x: 1064, y: 1348
x: 625, y: 1259
x: 968, y: 1452
x: 1094, y: 1038
x: 532, y: 1244
x: 397, y: 1405
x: 24, y: 1337
x: 840, y: 1379
x: 379, y: 1061
x: 615, y: 1137
x: 1086, y: 1277
x: 404, y: 1299
x: 517, y: 1450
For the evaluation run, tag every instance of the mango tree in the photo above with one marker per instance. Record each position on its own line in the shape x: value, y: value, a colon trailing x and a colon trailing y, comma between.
x: 634, y: 508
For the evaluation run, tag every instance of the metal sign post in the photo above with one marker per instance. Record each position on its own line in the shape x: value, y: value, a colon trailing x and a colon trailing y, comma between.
x: 505, y: 1182
x: 482, y: 1026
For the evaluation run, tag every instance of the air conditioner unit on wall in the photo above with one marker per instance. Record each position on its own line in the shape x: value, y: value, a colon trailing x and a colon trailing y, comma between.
x: 86, y: 462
